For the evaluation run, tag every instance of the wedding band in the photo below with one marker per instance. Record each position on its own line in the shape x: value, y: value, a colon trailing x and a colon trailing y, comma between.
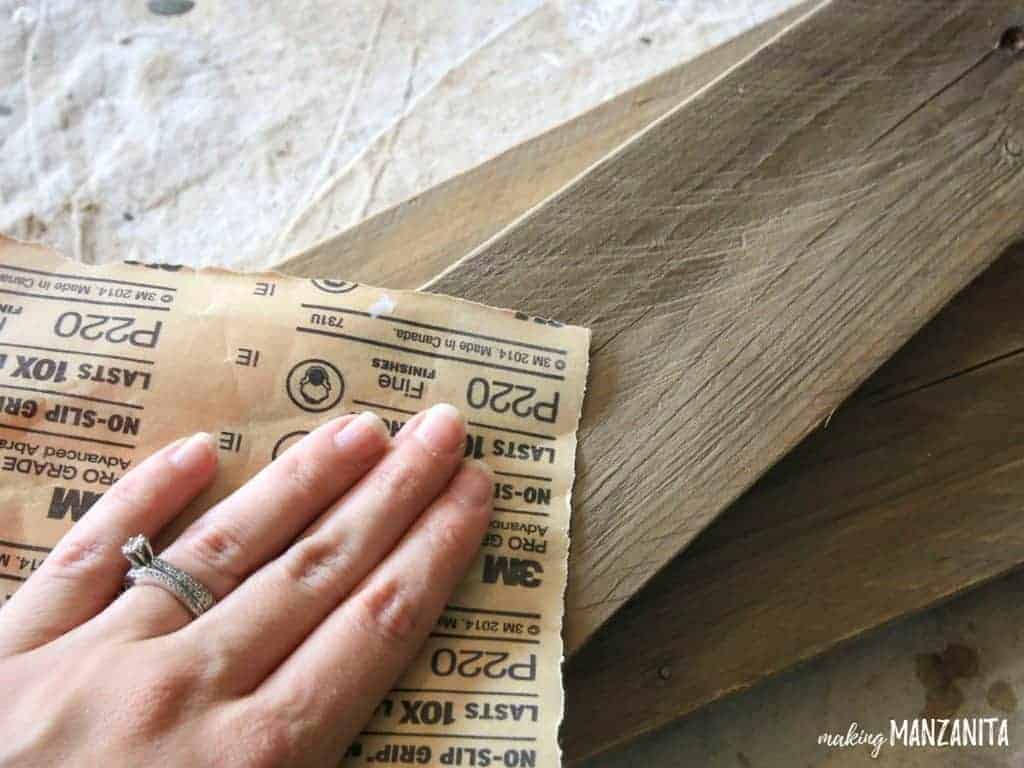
x: 149, y: 569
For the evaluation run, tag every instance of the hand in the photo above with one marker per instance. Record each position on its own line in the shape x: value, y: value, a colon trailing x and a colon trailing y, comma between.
x: 330, y: 568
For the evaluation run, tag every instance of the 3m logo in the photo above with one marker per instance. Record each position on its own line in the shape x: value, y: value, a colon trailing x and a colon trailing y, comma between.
x: 71, y: 500
x: 512, y: 571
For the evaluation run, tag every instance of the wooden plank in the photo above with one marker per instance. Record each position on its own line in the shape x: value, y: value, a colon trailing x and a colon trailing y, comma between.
x: 747, y: 261
x: 974, y: 330
x: 912, y: 494
x: 957, y: 343
x: 406, y: 246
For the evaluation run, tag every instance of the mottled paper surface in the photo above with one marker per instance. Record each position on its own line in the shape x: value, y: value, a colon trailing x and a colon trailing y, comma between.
x: 99, y: 366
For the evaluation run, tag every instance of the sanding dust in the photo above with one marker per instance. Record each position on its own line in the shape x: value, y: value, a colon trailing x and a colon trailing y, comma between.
x: 385, y: 305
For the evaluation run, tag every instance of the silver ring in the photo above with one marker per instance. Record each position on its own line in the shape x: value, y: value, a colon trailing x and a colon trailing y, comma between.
x: 149, y: 569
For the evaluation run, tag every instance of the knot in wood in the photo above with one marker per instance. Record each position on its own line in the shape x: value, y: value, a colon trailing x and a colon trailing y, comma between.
x: 1012, y: 40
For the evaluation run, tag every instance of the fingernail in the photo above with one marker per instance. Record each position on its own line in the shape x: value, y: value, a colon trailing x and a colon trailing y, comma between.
x: 475, y: 483
x: 442, y: 430
x: 365, y: 433
x: 194, y: 452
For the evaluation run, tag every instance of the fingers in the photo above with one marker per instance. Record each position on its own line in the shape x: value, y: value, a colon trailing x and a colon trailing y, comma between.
x: 274, y: 610
x: 259, y: 520
x: 83, y: 573
x: 336, y: 677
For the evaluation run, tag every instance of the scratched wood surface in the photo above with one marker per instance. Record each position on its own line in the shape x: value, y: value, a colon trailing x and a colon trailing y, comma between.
x: 800, y: 627
x: 752, y: 257
x: 409, y: 244
x: 911, y: 494
x: 809, y: 226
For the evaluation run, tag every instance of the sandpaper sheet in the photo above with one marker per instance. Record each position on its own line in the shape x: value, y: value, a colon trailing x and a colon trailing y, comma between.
x: 100, y: 366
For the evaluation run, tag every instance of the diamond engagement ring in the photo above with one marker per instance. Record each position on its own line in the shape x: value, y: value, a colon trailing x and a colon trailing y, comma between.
x: 149, y: 569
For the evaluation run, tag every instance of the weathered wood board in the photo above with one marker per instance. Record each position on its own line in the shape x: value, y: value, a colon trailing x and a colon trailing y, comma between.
x: 750, y: 258
x: 912, y: 493
x: 408, y: 245
x: 994, y: 18
x: 932, y: 356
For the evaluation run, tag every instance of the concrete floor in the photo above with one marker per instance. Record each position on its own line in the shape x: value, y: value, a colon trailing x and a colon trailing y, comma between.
x: 239, y: 132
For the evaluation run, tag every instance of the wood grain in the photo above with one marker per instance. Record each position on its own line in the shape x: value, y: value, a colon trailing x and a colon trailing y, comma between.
x: 911, y: 494
x: 752, y: 257
x: 408, y: 245
x: 746, y: 600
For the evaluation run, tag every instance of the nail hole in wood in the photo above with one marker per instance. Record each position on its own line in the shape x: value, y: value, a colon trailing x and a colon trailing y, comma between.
x: 1012, y: 40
